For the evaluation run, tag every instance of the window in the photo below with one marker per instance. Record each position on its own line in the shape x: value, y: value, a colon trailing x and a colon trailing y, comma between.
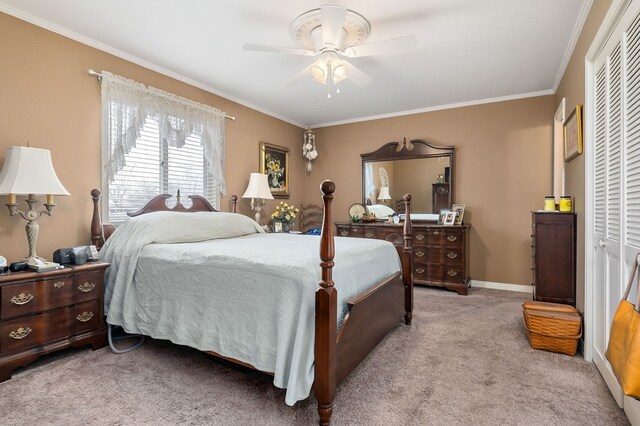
x: 155, y: 143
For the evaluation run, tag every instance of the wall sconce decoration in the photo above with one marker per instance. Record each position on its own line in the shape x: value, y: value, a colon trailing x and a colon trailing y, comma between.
x: 29, y: 171
x: 258, y: 190
x: 309, y: 147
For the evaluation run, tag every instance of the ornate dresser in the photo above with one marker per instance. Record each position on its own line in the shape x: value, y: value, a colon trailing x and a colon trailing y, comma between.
x: 440, y: 253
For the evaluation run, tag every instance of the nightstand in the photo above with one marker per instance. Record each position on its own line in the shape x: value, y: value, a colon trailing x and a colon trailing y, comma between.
x: 42, y: 312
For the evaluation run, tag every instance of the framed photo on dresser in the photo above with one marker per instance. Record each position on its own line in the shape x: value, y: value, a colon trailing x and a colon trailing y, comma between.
x: 450, y: 218
x: 443, y: 214
x: 459, y: 209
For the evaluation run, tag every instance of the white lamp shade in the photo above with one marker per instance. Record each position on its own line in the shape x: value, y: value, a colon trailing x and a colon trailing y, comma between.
x: 258, y: 187
x: 384, y: 193
x: 29, y: 171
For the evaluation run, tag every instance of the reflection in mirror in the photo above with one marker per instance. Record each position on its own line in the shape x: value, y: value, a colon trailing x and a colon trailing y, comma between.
x: 419, y: 168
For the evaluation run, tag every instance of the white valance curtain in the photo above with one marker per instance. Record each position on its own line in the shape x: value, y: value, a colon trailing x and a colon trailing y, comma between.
x: 126, y: 105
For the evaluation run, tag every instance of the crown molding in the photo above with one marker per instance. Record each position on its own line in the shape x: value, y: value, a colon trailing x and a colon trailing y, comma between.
x: 577, y: 30
x: 27, y: 17
x: 437, y: 108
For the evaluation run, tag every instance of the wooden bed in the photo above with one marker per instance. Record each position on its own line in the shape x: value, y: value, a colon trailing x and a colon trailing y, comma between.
x: 371, y: 315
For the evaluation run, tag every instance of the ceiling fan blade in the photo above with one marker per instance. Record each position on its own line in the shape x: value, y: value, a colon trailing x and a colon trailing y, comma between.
x: 358, y: 77
x: 332, y: 23
x: 305, y: 72
x: 276, y: 49
x: 385, y: 47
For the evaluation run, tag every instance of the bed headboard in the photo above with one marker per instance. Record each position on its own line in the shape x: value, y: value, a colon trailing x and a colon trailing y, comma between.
x: 100, y: 232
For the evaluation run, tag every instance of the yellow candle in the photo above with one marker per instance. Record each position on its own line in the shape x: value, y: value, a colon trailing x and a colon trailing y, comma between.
x: 12, y: 199
x: 49, y: 199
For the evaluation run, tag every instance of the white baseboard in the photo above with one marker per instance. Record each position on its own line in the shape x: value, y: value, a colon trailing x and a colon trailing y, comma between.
x: 632, y: 410
x: 502, y: 286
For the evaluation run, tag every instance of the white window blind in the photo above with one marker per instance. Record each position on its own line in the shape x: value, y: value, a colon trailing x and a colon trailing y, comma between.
x: 154, y: 143
x: 153, y: 167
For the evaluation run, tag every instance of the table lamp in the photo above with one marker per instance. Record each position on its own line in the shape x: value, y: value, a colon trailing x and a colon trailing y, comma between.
x: 29, y: 171
x: 384, y: 194
x: 258, y: 190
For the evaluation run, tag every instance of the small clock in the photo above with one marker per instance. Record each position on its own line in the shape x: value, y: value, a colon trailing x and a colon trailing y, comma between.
x: 357, y: 211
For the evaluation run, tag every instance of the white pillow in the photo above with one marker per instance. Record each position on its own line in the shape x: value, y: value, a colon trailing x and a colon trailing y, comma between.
x: 381, y: 211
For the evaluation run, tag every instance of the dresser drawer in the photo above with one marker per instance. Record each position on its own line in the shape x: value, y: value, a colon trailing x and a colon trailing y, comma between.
x: 86, y: 316
x: 444, y: 255
x: 444, y: 237
x: 342, y: 231
x: 362, y: 232
x: 36, y: 296
x: 34, y: 330
x: 449, y: 273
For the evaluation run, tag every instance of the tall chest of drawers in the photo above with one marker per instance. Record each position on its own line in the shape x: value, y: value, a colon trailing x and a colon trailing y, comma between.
x: 42, y: 312
x: 440, y: 253
x: 553, y: 257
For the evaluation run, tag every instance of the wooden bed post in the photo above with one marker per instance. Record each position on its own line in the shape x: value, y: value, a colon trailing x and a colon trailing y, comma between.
x: 326, y: 371
x: 234, y: 203
x: 407, y: 262
x: 96, y: 224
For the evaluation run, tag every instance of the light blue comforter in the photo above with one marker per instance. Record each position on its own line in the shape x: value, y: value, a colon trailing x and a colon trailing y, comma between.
x: 249, y: 297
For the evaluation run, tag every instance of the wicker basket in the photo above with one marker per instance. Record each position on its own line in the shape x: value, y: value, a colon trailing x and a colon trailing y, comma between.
x: 555, y: 328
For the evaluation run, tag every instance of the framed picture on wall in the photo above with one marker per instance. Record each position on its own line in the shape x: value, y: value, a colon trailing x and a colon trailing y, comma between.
x: 573, y: 134
x: 274, y: 162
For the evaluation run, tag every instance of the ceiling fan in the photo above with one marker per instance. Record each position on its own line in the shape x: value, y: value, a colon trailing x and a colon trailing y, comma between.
x: 334, y: 33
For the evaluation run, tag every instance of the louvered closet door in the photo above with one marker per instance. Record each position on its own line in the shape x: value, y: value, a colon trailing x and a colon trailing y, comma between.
x: 616, y: 193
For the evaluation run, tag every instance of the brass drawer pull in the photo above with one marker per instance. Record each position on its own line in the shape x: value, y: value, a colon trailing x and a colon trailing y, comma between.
x: 20, y: 333
x: 452, y: 255
x: 58, y: 284
x: 22, y: 299
x: 419, y: 237
x: 344, y: 233
x: 368, y: 234
x: 420, y: 254
x: 86, y: 287
x: 452, y: 273
x: 420, y: 270
x: 436, y: 232
x: 85, y: 316
x: 451, y: 237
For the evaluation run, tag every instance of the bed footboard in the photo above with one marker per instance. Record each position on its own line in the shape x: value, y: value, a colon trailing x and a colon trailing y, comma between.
x: 371, y: 315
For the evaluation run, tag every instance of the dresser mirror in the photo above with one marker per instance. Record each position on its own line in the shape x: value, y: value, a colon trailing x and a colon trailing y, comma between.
x: 416, y: 167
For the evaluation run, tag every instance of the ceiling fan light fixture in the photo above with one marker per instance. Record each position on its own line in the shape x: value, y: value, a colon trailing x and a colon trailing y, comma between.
x: 318, y: 73
x: 340, y: 72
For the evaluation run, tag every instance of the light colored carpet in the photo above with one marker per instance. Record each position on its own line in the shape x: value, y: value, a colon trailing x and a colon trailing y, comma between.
x: 464, y: 361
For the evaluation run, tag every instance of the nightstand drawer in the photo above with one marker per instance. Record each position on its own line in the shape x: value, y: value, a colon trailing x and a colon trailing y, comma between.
x: 34, y: 330
x: 86, y: 316
x: 87, y: 286
x: 36, y: 296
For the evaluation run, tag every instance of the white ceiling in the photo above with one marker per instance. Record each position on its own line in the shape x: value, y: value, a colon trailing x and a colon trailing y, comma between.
x: 468, y: 50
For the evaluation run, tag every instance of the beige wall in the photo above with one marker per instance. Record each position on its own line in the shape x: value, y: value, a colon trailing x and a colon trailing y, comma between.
x: 502, y: 171
x: 48, y: 99
x: 572, y: 88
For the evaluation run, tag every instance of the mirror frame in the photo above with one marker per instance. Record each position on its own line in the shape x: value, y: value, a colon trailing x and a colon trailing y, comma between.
x: 421, y: 149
